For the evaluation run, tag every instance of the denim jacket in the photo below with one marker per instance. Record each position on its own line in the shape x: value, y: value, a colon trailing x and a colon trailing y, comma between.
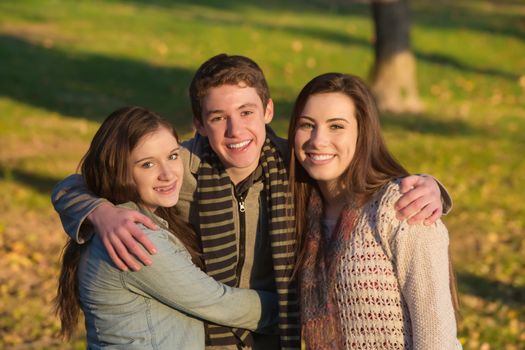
x: 159, y: 306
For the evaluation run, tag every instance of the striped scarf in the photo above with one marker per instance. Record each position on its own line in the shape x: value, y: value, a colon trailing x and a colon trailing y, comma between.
x: 217, y: 231
x: 321, y: 326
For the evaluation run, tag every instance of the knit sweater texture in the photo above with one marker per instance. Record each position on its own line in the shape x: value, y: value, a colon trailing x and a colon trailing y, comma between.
x: 392, y: 288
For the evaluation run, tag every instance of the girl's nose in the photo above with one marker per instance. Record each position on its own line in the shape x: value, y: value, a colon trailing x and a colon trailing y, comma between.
x: 318, y: 137
x: 166, y: 172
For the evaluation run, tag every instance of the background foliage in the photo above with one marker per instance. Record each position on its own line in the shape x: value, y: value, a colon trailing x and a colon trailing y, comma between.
x: 65, y: 65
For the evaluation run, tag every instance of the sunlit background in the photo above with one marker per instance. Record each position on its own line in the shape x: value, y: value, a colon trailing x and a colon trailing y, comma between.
x: 65, y: 65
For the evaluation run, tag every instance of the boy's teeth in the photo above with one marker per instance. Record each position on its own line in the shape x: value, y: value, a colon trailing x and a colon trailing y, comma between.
x: 239, y: 145
x: 321, y: 156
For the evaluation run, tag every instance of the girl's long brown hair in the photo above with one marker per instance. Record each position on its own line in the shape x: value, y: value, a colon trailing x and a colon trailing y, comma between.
x: 105, y: 170
x: 371, y: 167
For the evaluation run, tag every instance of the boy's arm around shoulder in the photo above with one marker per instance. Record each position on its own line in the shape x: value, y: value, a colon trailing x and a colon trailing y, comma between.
x: 78, y: 208
x: 74, y: 202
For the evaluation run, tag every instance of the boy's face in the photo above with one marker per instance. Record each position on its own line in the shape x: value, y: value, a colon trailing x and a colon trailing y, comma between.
x: 234, y: 119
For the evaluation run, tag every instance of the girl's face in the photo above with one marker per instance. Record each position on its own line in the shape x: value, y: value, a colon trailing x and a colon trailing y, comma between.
x: 326, y: 137
x: 156, y: 169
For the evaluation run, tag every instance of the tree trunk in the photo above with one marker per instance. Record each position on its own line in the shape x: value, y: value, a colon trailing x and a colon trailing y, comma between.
x: 394, y: 81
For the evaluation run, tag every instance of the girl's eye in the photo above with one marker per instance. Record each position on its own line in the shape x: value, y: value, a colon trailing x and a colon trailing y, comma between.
x: 147, y: 165
x: 173, y: 156
x: 306, y: 125
x: 336, y: 126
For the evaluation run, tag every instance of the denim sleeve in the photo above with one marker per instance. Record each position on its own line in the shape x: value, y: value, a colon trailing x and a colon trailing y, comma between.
x: 74, y: 202
x: 175, y: 281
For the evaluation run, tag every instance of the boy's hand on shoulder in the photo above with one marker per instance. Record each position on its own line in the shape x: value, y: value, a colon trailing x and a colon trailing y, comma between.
x: 122, y: 238
x: 421, y: 200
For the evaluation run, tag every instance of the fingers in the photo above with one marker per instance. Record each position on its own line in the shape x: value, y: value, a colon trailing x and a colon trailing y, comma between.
x: 122, y: 238
x: 131, y: 239
x: 113, y: 255
x: 123, y: 252
x: 406, y: 205
x: 139, y: 235
x: 123, y: 249
x: 143, y: 219
x: 433, y: 218
x: 413, y: 208
x: 146, y: 243
x: 421, y: 203
x: 425, y: 215
x: 409, y: 182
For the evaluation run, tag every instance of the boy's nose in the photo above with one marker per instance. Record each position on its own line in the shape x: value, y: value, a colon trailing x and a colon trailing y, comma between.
x: 233, y: 127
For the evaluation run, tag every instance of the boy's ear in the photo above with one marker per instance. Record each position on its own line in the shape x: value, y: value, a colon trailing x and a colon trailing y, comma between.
x: 199, y: 127
x: 268, y: 112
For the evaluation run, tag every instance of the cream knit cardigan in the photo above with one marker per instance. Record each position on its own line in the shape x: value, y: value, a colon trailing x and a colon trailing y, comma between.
x: 393, y: 282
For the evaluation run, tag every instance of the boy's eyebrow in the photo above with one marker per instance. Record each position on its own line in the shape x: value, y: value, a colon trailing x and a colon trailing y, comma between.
x: 249, y: 104
x: 215, y: 111
x: 146, y: 158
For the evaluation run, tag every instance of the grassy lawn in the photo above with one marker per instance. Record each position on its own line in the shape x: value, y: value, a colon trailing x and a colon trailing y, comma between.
x: 65, y: 65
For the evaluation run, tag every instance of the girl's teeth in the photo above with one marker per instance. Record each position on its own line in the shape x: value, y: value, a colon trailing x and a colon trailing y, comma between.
x: 239, y: 145
x: 321, y: 156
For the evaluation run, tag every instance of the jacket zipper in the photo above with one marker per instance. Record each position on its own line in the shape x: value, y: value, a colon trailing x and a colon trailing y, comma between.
x: 242, y: 237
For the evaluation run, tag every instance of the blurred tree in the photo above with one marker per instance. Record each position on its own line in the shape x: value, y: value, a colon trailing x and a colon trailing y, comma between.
x: 394, y: 79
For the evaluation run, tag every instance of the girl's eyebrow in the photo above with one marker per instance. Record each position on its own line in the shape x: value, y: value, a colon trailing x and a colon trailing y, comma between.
x: 335, y: 119
x: 141, y: 160
x: 146, y: 158
x: 338, y: 119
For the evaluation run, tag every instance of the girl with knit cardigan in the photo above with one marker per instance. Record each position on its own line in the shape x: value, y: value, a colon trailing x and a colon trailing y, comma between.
x: 366, y: 279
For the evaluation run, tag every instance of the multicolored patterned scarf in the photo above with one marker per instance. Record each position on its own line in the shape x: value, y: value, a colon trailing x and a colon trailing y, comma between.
x: 321, y: 327
x: 217, y: 230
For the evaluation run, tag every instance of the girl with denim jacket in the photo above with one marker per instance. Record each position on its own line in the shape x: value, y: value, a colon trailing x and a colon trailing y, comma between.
x: 134, y: 161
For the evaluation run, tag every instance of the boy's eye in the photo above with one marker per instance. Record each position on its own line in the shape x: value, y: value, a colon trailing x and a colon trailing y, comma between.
x: 173, y: 156
x: 147, y: 165
x: 217, y: 118
x: 246, y: 113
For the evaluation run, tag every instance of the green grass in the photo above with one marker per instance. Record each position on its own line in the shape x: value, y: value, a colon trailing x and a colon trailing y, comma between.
x: 65, y: 65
